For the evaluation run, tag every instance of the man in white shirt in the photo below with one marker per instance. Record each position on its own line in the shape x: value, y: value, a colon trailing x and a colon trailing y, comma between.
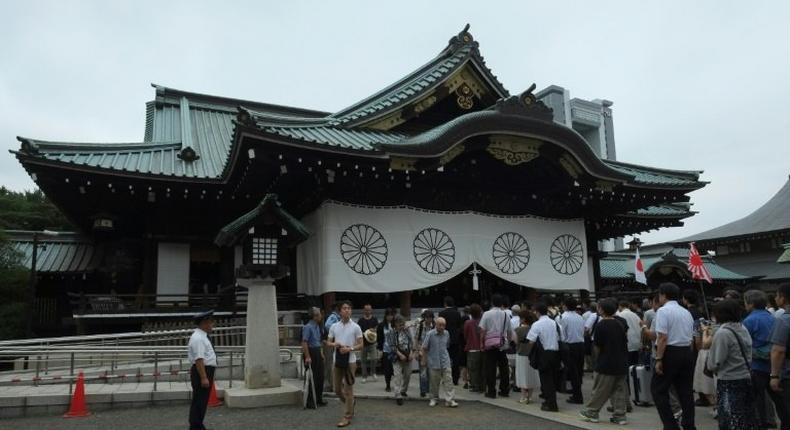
x: 572, y: 326
x: 674, y: 357
x: 200, y: 354
x: 549, y: 334
x: 634, y: 332
x: 345, y: 336
x: 495, y: 335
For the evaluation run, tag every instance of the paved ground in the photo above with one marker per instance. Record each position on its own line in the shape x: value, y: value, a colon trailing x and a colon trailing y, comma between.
x: 371, y: 414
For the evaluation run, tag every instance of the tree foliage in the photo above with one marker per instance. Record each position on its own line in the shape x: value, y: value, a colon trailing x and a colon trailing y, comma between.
x: 29, y: 210
x: 13, y: 287
x: 26, y: 210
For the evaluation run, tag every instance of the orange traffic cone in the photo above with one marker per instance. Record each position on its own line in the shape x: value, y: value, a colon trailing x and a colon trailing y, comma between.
x: 213, y: 401
x: 78, y: 407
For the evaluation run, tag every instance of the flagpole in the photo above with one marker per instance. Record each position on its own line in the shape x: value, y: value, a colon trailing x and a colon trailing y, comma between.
x: 704, y: 300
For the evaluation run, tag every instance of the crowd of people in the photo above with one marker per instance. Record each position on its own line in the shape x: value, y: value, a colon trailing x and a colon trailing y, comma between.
x: 661, y: 350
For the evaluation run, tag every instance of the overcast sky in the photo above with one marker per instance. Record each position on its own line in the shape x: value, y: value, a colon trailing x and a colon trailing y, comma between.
x: 695, y: 86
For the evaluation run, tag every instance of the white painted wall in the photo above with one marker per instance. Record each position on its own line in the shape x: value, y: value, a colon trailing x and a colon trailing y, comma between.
x: 172, y: 274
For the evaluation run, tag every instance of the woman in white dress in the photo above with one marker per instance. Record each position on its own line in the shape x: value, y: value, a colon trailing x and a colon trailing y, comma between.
x: 527, y: 378
x: 704, y: 384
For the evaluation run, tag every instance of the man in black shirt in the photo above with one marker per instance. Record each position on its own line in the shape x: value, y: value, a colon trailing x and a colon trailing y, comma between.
x: 611, y: 370
x: 454, y: 327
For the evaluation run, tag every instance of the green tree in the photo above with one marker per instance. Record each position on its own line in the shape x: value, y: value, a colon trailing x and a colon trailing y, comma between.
x: 29, y: 210
x: 13, y: 287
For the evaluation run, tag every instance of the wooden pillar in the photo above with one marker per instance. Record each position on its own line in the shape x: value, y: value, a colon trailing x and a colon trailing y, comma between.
x: 405, y: 304
x: 328, y: 299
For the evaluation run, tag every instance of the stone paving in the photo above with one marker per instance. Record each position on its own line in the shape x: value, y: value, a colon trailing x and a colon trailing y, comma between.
x: 53, y: 400
x: 641, y: 417
x: 371, y: 414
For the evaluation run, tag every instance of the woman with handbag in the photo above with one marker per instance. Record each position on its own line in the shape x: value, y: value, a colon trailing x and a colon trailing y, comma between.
x: 382, y: 336
x: 703, y: 383
x: 729, y: 359
x: 527, y: 377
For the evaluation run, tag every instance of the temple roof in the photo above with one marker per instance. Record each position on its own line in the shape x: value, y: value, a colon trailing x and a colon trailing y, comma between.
x: 462, y: 49
x: 773, y: 216
x: 237, y: 229
x: 204, y: 139
x: 67, y: 252
x: 620, y: 265
x: 785, y: 257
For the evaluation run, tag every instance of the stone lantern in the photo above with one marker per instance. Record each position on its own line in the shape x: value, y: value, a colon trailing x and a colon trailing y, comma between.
x: 265, y: 233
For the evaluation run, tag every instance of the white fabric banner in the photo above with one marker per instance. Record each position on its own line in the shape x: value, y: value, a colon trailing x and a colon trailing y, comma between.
x: 389, y: 249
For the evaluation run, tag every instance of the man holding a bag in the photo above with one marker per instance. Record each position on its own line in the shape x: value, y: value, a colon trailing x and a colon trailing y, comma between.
x: 545, y: 334
x: 495, y: 332
x: 401, y: 355
x: 345, y: 337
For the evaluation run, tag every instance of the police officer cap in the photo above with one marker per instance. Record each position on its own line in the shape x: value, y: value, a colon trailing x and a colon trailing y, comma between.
x: 207, y: 315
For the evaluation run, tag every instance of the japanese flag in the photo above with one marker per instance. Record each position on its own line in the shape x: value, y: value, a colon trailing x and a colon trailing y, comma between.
x: 639, y: 270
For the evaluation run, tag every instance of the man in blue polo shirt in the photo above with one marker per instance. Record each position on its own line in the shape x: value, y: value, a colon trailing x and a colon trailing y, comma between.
x: 780, y: 361
x: 760, y: 324
x: 313, y: 356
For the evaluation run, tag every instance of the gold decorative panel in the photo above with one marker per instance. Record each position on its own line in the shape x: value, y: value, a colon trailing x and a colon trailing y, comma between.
x: 513, y: 150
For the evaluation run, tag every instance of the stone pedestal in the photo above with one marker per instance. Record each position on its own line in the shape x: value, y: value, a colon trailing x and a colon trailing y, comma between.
x: 284, y: 395
x: 262, y: 354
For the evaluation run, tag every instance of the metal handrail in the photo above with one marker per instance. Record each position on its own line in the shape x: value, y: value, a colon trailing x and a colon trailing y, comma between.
x: 117, y: 336
x: 151, y: 356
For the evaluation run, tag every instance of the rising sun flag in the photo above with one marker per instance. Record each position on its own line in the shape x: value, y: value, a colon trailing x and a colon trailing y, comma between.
x: 696, y: 266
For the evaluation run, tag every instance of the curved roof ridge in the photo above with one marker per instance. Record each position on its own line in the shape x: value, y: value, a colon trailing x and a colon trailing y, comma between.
x: 773, y: 215
x: 37, y: 144
x: 460, y: 49
x: 268, y: 118
x: 693, y: 173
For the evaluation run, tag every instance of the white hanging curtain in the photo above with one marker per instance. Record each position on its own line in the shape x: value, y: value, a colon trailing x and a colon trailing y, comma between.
x: 388, y: 249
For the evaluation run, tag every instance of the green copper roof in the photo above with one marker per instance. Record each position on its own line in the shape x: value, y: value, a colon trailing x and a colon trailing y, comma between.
x: 654, y: 176
x: 237, y: 229
x: 660, y: 211
x: 323, y: 134
x: 620, y: 265
x: 65, y: 253
x: 462, y: 49
x: 785, y: 257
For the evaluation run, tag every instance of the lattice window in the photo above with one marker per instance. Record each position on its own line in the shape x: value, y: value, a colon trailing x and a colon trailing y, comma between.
x: 264, y: 250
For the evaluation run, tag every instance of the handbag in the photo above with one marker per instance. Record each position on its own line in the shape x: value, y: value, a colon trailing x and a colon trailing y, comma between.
x: 342, y: 360
x: 494, y: 341
x: 535, y: 355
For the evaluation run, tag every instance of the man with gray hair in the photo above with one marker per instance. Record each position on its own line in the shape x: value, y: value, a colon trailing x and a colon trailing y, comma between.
x: 435, y: 356
x: 313, y: 355
x: 760, y: 324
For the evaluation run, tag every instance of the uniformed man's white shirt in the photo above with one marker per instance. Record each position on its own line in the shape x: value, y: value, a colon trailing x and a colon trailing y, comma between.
x: 346, y: 334
x: 545, y: 329
x: 200, y: 347
x: 675, y: 322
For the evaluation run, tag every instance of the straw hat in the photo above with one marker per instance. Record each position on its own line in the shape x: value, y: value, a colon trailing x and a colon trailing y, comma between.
x: 370, y: 335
